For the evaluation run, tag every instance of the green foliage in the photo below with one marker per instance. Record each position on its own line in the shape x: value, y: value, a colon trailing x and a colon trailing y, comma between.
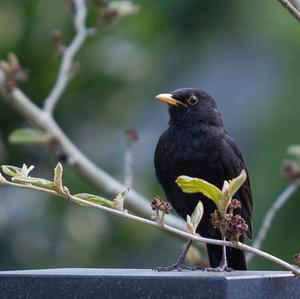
x: 28, y: 136
x: 38, y: 182
x: 20, y: 176
x: 14, y: 171
x: 195, y: 185
x: 120, y: 198
x: 11, y: 170
x: 194, y: 220
x: 294, y: 150
x: 94, y: 199
x: 236, y: 183
x: 57, y: 180
x: 222, y: 198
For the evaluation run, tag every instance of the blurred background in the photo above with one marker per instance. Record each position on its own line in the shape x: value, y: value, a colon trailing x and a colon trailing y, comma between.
x: 245, y: 54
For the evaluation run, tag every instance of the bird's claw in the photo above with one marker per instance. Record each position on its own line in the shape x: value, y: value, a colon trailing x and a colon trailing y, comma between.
x: 221, y: 268
x: 177, y: 267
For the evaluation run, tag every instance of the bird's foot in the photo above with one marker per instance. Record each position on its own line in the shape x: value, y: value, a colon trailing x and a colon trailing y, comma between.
x: 179, y: 266
x: 222, y: 268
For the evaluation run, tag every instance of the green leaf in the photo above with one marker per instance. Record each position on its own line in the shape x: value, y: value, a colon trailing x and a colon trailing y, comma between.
x: 17, y: 171
x: 120, y: 198
x: 58, y: 171
x: 2, y: 179
x: 194, y: 220
x: 35, y: 182
x: 236, y: 183
x: 189, y: 225
x: 95, y: 199
x: 294, y: 150
x: 28, y: 136
x: 123, y: 8
x: 11, y: 170
x: 194, y: 185
x: 197, y: 215
x: 26, y: 170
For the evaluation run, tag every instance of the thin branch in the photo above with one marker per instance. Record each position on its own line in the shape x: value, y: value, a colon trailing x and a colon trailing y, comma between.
x: 132, y: 136
x: 296, y: 3
x: 168, y: 228
x: 267, y: 222
x: 65, y: 71
x: 128, y: 161
x: 95, y: 175
x: 291, y: 8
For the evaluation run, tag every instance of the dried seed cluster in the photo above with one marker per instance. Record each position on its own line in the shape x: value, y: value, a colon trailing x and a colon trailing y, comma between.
x: 132, y: 135
x: 296, y: 259
x: 14, y: 73
x: 157, y: 204
x: 290, y: 170
x: 231, y: 226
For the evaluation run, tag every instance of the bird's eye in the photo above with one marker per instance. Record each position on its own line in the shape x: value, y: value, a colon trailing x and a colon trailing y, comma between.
x: 192, y: 100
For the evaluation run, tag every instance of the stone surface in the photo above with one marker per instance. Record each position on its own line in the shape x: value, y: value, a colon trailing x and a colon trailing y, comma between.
x: 144, y: 283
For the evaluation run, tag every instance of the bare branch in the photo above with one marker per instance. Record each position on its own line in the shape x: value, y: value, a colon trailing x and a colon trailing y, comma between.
x: 131, y: 136
x: 65, y: 71
x: 168, y: 228
x: 128, y: 161
x: 296, y: 3
x: 291, y: 8
x: 267, y: 222
x: 96, y: 176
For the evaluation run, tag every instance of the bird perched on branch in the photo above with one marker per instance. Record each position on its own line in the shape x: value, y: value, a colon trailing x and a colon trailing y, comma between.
x: 197, y: 145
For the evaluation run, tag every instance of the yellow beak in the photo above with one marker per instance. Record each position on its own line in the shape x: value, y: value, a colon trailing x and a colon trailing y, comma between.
x: 167, y: 98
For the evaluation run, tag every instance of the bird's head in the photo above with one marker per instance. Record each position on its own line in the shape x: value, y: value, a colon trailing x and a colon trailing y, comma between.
x: 191, y: 106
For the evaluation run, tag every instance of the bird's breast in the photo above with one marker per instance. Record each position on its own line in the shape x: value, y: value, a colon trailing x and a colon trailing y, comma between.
x: 195, y: 153
x: 189, y: 152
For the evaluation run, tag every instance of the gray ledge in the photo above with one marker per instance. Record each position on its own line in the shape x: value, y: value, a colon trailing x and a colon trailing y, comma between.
x: 145, y: 283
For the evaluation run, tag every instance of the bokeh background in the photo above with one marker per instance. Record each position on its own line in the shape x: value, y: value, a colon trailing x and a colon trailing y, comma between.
x: 245, y: 54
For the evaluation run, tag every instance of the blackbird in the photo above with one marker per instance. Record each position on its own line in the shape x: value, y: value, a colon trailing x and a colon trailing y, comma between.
x: 196, y: 144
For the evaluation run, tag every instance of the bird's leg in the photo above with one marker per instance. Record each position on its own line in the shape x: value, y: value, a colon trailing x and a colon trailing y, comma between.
x: 224, y: 263
x: 180, y: 264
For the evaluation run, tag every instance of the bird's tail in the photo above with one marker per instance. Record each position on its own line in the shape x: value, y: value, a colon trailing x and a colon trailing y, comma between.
x: 236, y: 258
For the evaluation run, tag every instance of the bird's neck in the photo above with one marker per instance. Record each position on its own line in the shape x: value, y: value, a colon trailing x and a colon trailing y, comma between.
x: 199, y: 128
x: 192, y: 119
x: 195, y: 125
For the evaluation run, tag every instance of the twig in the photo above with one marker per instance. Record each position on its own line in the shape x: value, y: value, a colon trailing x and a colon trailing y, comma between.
x: 65, y: 71
x: 131, y: 136
x: 95, y: 175
x: 168, y: 228
x: 128, y: 161
x: 267, y: 222
x: 296, y: 3
x: 291, y: 8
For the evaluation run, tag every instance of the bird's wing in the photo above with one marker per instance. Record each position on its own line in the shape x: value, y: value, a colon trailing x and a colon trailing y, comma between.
x: 233, y: 164
x: 159, y: 159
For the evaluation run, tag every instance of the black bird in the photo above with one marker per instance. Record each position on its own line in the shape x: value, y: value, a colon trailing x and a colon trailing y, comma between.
x: 196, y: 144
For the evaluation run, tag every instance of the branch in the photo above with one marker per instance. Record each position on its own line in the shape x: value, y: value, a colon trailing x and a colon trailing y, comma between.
x: 131, y: 136
x: 128, y: 161
x: 291, y: 8
x: 65, y: 71
x: 96, y: 176
x: 168, y: 228
x: 296, y: 3
x: 267, y: 222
